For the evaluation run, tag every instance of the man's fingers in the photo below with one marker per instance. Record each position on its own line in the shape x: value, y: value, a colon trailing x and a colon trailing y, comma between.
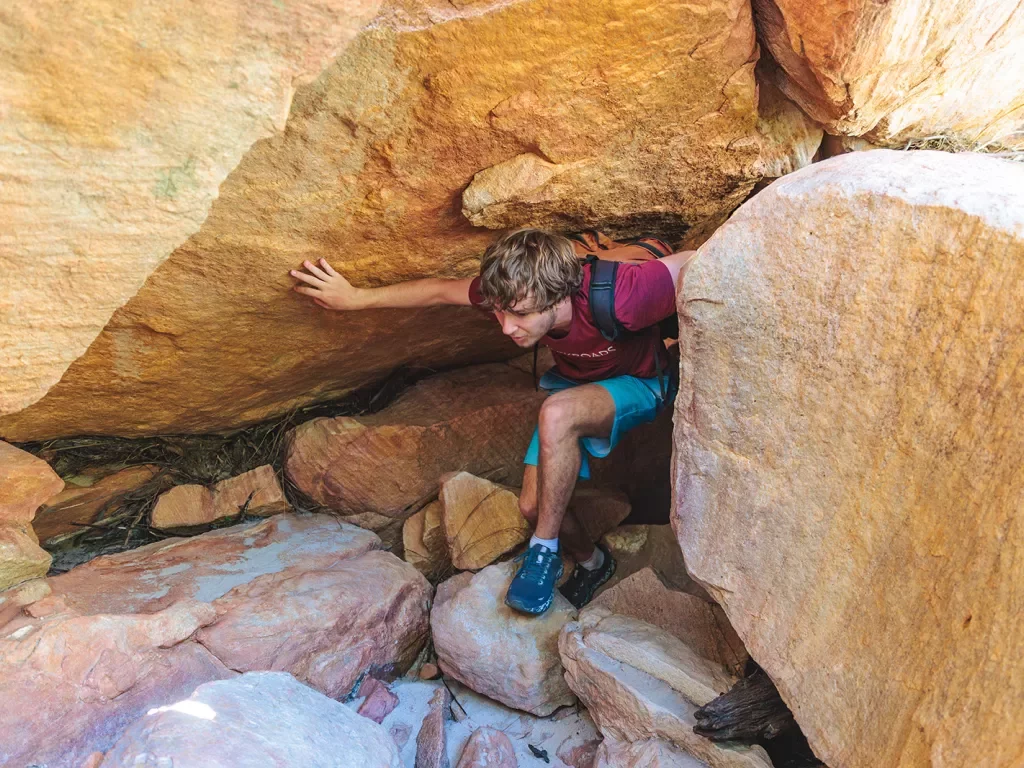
x: 328, y: 268
x: 314, y: 281
x: 322, y: 303
x: 308, y: 291
x: 313, y: 268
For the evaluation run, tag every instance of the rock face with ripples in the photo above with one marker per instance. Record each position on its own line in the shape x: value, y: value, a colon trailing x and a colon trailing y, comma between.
x: 848, y: 450
x: 629, y: 115
x: 901, y: 70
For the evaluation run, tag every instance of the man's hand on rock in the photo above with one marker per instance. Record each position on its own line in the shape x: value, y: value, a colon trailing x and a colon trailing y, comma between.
x: 326, y: 287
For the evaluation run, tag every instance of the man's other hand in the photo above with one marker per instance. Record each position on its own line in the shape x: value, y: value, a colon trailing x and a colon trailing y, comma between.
x: 326, y: 287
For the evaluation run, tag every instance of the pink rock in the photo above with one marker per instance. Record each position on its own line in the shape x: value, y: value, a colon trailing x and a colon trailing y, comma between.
x: 488, y: 748
x: 326, y: 627
x: 701, y: 625
x: 650, y: 753
x: 25, y: 483
x: 484, y: 644
x: 79, y: 681
x: 579, y: 755
x: 229, y: 496
x: 257, y: 719
x: 431, y: 742
x: 379, y: 702
x: 183, y: 506
x: 207, y: 567
x: 400, y: 733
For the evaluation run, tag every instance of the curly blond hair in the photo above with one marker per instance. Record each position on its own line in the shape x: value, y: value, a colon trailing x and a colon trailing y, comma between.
x: 529, y: 263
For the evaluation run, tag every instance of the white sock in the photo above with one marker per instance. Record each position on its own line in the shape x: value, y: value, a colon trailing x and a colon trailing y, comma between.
x: 551, y: 544
x: 595, y: 561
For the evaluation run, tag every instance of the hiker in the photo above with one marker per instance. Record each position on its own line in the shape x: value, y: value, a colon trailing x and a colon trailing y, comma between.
x: 541, y: 291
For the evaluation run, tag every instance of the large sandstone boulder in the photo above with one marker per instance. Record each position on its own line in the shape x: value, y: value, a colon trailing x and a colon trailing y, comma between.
x: 374, y: 470
x: 901, y: 70
x: 25, y: 483
x: 496, y: 651
x: 848, y: 451
x: 256, y: 719
x: 701, y: 625
x: 628, y: 115
x: 70, y: 684
x: 304, y: 594
x: 638, y: 682
x: 119, y: 125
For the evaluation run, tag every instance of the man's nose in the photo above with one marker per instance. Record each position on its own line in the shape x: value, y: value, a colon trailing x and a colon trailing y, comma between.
x: 508, y: 327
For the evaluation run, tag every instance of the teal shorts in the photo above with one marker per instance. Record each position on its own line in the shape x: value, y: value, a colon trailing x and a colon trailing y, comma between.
x: 637, y: 401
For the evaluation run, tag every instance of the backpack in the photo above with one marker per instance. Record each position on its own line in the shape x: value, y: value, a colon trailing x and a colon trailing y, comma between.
x: 604, y: 256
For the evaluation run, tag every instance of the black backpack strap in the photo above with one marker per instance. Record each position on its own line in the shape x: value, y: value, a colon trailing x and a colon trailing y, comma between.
x: 602, y: 297
x: 654, y: 251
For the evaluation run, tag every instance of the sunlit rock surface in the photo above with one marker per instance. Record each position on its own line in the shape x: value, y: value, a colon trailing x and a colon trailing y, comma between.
x: 848, y: 450
x: 644, y: 113
x: 901, y: 70
x: 118, y: 124
x: 260, y: 718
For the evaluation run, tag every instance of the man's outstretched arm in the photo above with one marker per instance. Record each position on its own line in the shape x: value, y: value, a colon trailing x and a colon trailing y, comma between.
x: 332, y: 291
x: 677, y: 264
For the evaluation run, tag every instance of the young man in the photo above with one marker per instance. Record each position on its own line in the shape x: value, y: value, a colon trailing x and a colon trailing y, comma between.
x: 538, y: 290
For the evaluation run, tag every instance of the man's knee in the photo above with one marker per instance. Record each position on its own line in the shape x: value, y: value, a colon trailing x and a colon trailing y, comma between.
x: 556, y: 418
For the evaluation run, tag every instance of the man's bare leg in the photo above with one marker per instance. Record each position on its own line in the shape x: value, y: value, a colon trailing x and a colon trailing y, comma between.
x: 565, y: 417
x: 571, y: 533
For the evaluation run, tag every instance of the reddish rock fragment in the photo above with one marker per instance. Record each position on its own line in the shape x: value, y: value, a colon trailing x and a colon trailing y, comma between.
x: 488, y: 748
x: 380, y: 701
x: 25, y: 483
x: 431, y: 742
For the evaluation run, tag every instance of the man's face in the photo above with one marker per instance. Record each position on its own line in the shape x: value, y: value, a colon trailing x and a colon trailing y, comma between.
x: 523, y: 324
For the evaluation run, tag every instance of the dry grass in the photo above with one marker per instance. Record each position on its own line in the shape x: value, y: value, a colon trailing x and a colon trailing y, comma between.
x: 200, y: 459
x: 995, y: 147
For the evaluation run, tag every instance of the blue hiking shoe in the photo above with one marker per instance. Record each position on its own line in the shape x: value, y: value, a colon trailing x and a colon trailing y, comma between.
x: 533, y: 587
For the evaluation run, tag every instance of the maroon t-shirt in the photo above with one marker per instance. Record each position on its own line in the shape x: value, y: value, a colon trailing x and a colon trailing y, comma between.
x: 644, y: 294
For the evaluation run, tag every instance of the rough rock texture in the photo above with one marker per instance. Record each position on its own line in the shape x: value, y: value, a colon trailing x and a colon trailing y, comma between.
x: 378, y: 701
x: 21, y: 557
x: 25, y: 483
x: 304, y: 594
x: 79, y: 681
x: 423, y: 540
x: 257, y: 492
x: 481, y: 520
x: 13, y: 600
x: 183, y: 506
x: 701, y: 625
x: 82, y: 505
x: 326, y: 627
x: 637, y: 682
x: 118, y: 126
x: 257, y: 719
x: 431, y: 744
x: 652, y: 753
x: 848, y: 453
x: 374, y: 469
x: 486, y: 645
x: 791, y: 139
x: 209, y: 566
x: 488, y: 748
x: 646, y: 110
x: 904, y: 69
